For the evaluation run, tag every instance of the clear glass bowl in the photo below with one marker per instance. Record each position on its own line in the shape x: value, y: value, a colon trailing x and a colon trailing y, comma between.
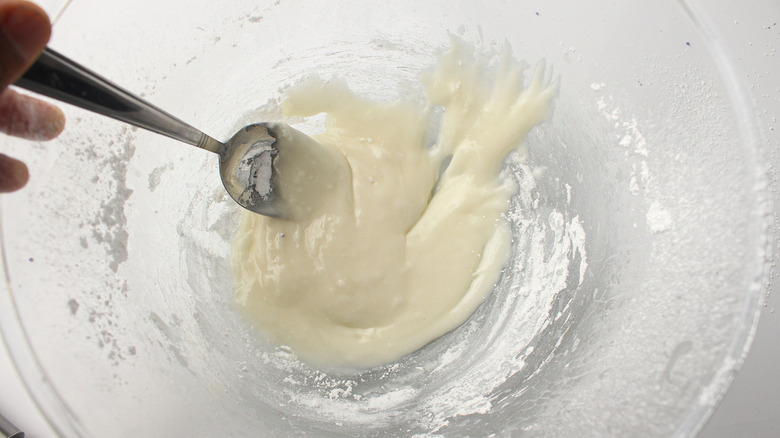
x: 639, y: 245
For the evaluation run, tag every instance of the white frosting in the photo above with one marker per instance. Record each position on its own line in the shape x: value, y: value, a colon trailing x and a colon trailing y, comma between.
x: 405, y: 253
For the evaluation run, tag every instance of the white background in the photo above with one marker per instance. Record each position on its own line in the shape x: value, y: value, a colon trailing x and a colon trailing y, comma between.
x: 752, y: 406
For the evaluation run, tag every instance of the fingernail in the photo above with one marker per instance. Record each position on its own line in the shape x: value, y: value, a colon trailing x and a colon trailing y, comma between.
x: 27, y: 28
x: 13, y: 174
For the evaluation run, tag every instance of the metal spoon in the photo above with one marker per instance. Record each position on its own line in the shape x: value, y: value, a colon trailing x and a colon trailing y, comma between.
x: 247, y: 161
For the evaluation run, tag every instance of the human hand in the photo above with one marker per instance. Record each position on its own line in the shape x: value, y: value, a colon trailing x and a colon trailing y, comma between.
x: 24, y: 32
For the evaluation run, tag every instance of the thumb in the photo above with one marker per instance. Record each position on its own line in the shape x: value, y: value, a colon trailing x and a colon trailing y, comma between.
x: 13, y: 174
x: 24, y: 32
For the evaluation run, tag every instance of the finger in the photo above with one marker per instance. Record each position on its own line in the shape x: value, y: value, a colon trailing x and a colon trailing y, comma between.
x: 13, y: 174
x: 27, y: 117
x: 24, y: 32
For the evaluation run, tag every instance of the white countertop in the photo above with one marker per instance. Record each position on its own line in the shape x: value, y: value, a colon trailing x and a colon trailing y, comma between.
x: 752, y: 406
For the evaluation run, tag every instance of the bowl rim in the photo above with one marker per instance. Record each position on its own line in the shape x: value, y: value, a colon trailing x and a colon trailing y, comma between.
x: 738, y: 95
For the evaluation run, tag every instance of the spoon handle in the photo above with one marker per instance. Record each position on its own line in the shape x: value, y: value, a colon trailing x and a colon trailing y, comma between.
x: 54, y: 75
x: 8, y: 430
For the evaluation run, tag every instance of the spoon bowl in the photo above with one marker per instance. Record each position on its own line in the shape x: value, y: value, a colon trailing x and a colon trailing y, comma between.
x: 246, y: 169
x: 275, y: 170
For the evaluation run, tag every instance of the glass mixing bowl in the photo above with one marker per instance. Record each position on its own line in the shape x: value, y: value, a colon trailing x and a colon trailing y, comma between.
x: 639, y: 232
